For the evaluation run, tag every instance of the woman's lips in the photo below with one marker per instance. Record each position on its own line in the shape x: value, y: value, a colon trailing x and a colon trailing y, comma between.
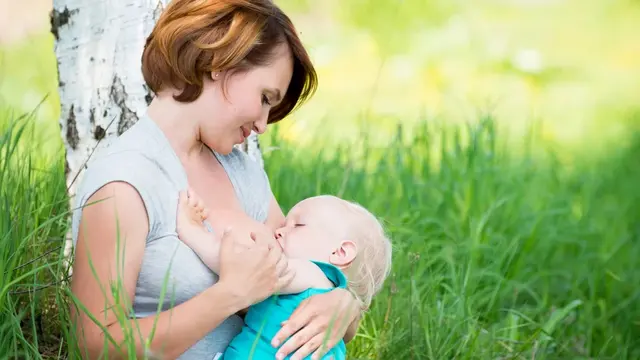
x: 246, y: 132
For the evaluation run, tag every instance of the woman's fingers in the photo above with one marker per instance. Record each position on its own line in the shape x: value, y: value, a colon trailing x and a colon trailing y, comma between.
x: 329, y: 339
x: 304, y: 341
x: 318, y: 345
x: 318, y: 336
x: 300, y: 317
x: 282, y: 266
x: 248, y: 271
x: 265, y: 239
x: 272, y: 263
x: 300, y: 341
x: 285, y: 280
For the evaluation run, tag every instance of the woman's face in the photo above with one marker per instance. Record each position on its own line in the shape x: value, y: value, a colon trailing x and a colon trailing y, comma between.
x: 226, y: 121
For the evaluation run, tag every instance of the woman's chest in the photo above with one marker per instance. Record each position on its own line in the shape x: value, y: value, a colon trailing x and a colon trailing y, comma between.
x: 215, y: 188
x: 235, y: 188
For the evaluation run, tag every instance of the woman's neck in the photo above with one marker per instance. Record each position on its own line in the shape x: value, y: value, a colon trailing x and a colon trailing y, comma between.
x: 181, y: 131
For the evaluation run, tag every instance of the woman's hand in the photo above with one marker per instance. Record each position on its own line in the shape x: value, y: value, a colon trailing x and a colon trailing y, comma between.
x: 331, y: 312
x: 254, y: 270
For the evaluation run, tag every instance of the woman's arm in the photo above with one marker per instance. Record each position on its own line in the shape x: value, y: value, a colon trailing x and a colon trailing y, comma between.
x: 352, y: 330
x: 97, y: 267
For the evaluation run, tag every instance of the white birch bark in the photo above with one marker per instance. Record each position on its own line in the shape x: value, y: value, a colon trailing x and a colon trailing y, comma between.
x: 102, y: 92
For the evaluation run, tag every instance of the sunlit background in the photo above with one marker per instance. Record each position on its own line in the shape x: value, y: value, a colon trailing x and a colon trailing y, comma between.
x: 571, y: 67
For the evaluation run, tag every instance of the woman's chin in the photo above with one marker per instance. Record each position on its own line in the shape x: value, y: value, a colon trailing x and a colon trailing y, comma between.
x: 222, y: 149
x: 241, y: 139
x: 225, y: 150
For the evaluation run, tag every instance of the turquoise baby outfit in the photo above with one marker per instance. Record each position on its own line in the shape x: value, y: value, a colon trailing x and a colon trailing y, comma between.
x: 263, y: 321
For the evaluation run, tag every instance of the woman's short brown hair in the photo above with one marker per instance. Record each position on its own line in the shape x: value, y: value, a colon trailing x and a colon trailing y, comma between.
x: 192, y: 38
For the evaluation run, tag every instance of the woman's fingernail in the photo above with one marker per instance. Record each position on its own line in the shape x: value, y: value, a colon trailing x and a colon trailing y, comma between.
x: 275, y: 343
x: 279, y: 356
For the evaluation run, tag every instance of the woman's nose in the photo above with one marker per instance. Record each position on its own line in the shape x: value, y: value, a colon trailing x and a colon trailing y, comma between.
x: 260, y: 126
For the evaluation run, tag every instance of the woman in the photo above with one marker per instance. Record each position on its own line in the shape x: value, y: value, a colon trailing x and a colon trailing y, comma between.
x: 219, y: 69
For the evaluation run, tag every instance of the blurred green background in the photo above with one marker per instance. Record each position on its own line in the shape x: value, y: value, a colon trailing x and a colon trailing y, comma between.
x: 572, y: 67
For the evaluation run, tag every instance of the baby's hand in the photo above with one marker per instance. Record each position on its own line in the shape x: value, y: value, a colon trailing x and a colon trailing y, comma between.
x: 191, y: 214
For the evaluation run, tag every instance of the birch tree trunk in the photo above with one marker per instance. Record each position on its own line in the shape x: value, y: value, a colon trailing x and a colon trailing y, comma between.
x: 99, y: 46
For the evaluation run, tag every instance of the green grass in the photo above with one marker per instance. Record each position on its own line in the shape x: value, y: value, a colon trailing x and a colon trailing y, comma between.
x: 496, y: 255
x: 33, y: 204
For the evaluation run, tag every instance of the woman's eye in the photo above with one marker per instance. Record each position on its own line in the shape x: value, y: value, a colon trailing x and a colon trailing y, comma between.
x: 298, y: 225
x: 265, y: 100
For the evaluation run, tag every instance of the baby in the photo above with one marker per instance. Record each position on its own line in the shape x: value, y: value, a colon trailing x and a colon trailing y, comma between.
x: 329, y: 242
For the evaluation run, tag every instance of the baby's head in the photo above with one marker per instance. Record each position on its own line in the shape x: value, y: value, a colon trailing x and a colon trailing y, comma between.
x: 329, y: 229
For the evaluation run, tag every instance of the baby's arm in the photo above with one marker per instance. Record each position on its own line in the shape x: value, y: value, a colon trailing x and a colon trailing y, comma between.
x: 308, y: 275
x: 206, y: 245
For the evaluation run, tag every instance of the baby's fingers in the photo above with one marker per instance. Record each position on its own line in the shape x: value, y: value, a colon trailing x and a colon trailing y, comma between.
x: 199, y: 205
x: 205, y: 214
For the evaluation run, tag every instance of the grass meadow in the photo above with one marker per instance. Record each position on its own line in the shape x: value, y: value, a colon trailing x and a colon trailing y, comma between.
x: 507, y: 245
x: 496, y: 256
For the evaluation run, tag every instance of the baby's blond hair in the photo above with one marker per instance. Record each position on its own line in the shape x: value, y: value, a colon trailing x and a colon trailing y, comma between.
x: 372, y: 265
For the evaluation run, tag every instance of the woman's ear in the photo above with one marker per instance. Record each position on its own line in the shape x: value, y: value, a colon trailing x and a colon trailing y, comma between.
x: 344, y: 255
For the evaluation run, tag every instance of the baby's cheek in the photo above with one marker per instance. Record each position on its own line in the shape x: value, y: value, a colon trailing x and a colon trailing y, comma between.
x: 296, y: 250
x: 290, y: 250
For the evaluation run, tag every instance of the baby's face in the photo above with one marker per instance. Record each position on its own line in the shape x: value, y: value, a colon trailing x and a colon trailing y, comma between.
x: 314, y: 229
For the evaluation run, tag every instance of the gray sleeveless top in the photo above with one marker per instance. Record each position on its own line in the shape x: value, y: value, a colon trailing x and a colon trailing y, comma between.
x: 143, y: 157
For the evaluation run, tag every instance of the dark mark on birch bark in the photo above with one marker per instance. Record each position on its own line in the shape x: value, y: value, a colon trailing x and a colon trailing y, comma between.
x: 66, y: 168
x: 59, y: 19
x: 148, y: 97
x: 72, y: 130
x: 60, y: 82
x: 99, y: 133
x: 118, y: 96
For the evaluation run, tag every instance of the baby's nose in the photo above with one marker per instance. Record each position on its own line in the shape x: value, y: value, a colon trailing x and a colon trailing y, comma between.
x: 279, y: 237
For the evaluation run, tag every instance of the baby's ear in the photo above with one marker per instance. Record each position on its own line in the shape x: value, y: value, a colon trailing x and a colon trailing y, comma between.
x: 344, y: 255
